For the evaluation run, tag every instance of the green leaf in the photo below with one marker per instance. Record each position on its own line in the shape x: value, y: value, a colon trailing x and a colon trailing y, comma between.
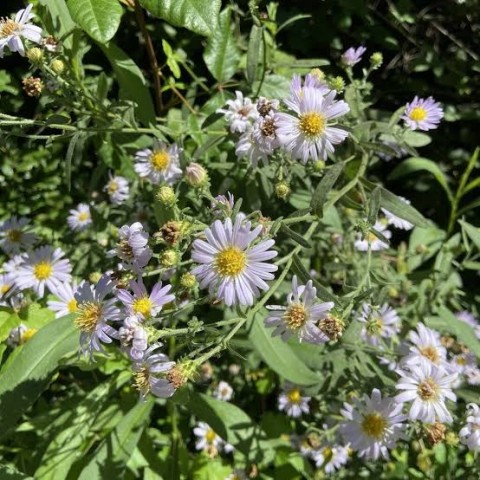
x: 472, y: 232
x: 199, y: 16
x: 296, y: 237
x: 111, y: 456
x: 8, y: 472
x: 171, y: 59
x: 325, y: 185
x: 24, y: 379
x: 416, y: 139
x: 253, y: 53
x: 374, y: 205
x: 278, y: 355
x: 221, y: 54
x: 417, y: 164
x: 60, y: 23
x: 99, y: 18
x: 131, y: 81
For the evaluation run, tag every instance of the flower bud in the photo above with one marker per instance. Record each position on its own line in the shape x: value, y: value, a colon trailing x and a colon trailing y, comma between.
x: 196, y: 175
x: 451, y: 438
x: 188, y: 281
x: 316, y: 72
x: 166, y: 196
x: 94, y: 277
x: 33, y: 86
x: 319, y: 165
x: 35, y: 55
x: 337, y: 83
x: 282, y: 190
x: 169, y: 258
x: 376, y: 60
x: 57, y: 66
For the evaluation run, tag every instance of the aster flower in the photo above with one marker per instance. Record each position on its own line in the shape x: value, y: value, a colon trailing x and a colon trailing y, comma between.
x: 472, y: 375
x: 20, y: 335
x: 93, y: 314
x: 207, y: 440
x: 240, y: 113
x: 231, y: 268
x: 379, y: 322
x: 423, y: 114
x: 307, y: 134
x: 397, y: 221
x: 133, y: 247
x: 117, y: 189
x: 373, y: 426
x: 44, y: 267
x: 14, y: 264
x: 292, y: 402
x: 15, y: 235
x: 12, y: 31
x: 162, y: 164
x: 133, y: 337
x: 470, y: 432
x: 223, y: 204
x: 353, y: 55
x: 223, y: 391
x: 80, y: 218
x: 362, y: 243
x: 141, y: 303
x: 7, y: 287
x: 302, y: 315
x: 331, y: 458
x: 66, y: 302
x: 311, y: 81
x: 150, y: 372
x: 426, y: 386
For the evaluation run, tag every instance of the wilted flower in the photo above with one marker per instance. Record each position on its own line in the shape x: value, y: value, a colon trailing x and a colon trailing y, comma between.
x: 79, y: 218
x: 15, y: 235
x: 353, y: 55
x: 33, y: 86
x: 423, y: 114
x: 117, y: 189
x: 239, y: 113
x: 292, y: 402
x: 19, y: 335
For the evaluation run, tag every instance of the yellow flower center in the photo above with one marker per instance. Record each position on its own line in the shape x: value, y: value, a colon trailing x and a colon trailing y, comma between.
x: 83, y: 216
x: 4, y: 288
x: 418, y: 114
x: 327, y: 454
x: 112, y: 186
x: 88, y: 314
x: 294, y: 396
x: 14, y: 236
x: 428, y: 389
x: 43, y: 270
x: 72, y: 306
x: 431, y: 353
x: 312, y: 124
x: 210, y: 436
x: 141, y: 380
x: 160, y: 160
x: 370, y: 237
x: 8, y: 27
x: 28, y: 334
x: 296, y: 316
x: 373, y: 425
x: 143, y: 306
x: 374, y: 325
x: 230, y: 262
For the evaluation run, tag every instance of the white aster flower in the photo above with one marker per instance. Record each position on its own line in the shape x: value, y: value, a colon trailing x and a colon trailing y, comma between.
x: 14, y: 264
x: 133, y: 247
x: 150, y: 372
x: 161, y: 164
x: 353, y: 55
x: 331, y: 458
x: 302, y: 315
x: 397, y: 221
x: 307, y: 134
x: 426, y: 386
x: 7, y: 287
x: 15, y: 235
x: 423, y: 113
x: 470, y: 433
x: 223, y: 391
x: 373, y: 426
x: 93, y: 314
x: 380, y: 322
x: 133, y: 337
x: 141, y: 303
x: 362, y: 243
x: 12, y: 31
x: 461, y: 362
x: 240, y: 113
x: 44, y: 267
x: 117, y: 189
x: 292, y: 402
x: 233, y: 269
x: 66, y: 302
x: 80, y: 218
x: 207, y: 439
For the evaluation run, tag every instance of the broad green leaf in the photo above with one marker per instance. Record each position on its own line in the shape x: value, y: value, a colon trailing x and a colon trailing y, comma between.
x: 253, y: 53
x: 273, y: 86
x: 99, y: 18
x: 416, y: 139
x: 199, y: 16
x: 111, y: 456
x: 417, y: 164
x: 325, y: 185
x: 221, y: 54
x: 424, y: 244
x: 60, y: 23
x: 24, y: 379
x: 278, y: 355
x: 133, y: 85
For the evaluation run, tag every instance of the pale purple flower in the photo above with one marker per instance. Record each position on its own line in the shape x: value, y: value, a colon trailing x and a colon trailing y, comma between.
x: 162, y: 164
x: 292, y: 402
x: 311, y: 81
x: 12, y: 31
x: 118, y: 189
x: 470, y: 432
x: 307, y: 133
x: 301, y: 316
x: 15, y: 235
x: 240, y: 113
x: 66, y: 303
x: 133, y: 337
x: 373, y: 426
x: 352, y: 56
x: 379, y: 322
x: 472, y: 375
x: 80, y: 218
x: 223, y: 204
x: 423, y: 114
x: 362, y: 243
x: 196, y: 175
x: 43, y: 268
x: 231, y: 267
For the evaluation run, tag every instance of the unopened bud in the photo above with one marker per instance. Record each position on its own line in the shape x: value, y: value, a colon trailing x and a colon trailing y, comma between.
x: 33, y: 86
x: 35, y: 55
x: 337, y: 83
x: 166, y: 196
x: 376, y: 60
x: 282, y: 190
x: 196, y: 175
x: 188, y: 281
x: 169, y: 258
x: 451, y: 438
x: 319, y: 165
x: 57, y: 66
x: 319, y: 74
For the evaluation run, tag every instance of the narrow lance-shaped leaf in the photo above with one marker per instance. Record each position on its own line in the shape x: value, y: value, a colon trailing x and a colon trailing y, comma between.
x: 296, y: 237
x: 253, y: 53
x: 325, y: 185
x: 374, y: 206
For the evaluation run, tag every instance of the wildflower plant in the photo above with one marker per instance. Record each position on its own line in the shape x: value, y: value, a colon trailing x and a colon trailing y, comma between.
x: 224, y: 268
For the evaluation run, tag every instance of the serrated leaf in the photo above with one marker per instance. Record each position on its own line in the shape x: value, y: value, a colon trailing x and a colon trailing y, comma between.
x: 199, y: 16
x: 221, y: 54
x: 325, y: 185
x: 99, y: 18
x: 24, y: 379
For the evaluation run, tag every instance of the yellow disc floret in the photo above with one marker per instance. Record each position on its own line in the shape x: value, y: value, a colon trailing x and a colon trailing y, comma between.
x: 428, y: 389
x: 72, y: 306
x: 83, y: 216
x: 294, y: 396
x: 296, y: 316
x: 373, y: 425
x: 112, y: 186
x: 141, y: 380
x: 312, y: 124
x: 418, y: 114
x: 210, y: 436
x: 8, y: 27
x: 160, y: 160
x: 89, y: 313
x: 14, y: 236
x: 43, y: 270
x: 143, y: 306
x: 231, y: 261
